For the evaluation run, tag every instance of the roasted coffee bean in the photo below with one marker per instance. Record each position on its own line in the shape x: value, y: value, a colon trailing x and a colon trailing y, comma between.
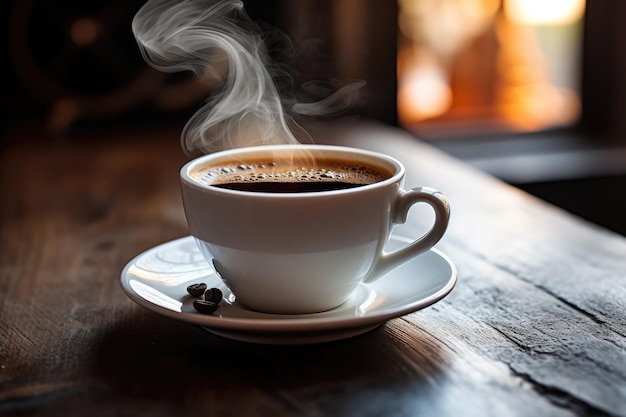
x: 196, y: 290
x: 214, y: 295
x: 204, y: 307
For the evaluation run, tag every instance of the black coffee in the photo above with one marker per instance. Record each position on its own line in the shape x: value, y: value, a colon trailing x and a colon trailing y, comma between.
x: 287, y: 187
x: 291, y: 177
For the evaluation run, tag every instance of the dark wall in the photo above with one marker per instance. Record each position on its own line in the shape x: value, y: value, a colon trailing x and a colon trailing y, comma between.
x: 105, y: 83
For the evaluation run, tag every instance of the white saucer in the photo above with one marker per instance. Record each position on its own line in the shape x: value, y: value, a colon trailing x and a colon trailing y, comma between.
x: 158, y: 278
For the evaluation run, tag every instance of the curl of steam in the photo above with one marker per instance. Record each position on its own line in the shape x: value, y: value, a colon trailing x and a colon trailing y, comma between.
x: 334, y: 101
x: 218, y: 42
x: 223, y: 47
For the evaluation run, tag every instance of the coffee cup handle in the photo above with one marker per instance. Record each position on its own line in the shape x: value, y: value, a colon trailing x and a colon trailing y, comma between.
x: 387, y: 261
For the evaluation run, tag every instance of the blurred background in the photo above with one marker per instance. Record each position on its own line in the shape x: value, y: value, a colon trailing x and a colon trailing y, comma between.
x: 530, y: 91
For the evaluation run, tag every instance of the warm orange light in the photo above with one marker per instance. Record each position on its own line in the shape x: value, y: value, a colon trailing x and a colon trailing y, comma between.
x: 544, y: 12
x: 502, y: 69
x: 423, y: 93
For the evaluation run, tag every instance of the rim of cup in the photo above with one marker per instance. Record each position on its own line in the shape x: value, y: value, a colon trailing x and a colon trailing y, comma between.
x: 373, y: 157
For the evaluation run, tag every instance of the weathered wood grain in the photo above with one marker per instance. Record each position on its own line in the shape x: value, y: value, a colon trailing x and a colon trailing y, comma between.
x: 546, y: 287
x: 535, y: 326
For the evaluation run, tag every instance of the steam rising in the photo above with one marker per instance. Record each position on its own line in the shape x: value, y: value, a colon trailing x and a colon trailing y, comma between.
x: 223, y: 47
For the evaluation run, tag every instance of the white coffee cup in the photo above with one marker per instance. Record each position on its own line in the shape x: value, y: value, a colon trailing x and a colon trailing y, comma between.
x: 303, y: 252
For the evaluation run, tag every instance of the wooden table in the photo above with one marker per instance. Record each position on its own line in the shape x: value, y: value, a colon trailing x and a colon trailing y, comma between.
x: 535, y: 326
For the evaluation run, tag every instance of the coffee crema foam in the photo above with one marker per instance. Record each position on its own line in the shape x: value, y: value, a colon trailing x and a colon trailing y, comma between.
x: 268, y: 171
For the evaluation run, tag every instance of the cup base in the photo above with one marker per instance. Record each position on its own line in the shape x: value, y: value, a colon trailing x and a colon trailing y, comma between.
x: 291, y: 312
